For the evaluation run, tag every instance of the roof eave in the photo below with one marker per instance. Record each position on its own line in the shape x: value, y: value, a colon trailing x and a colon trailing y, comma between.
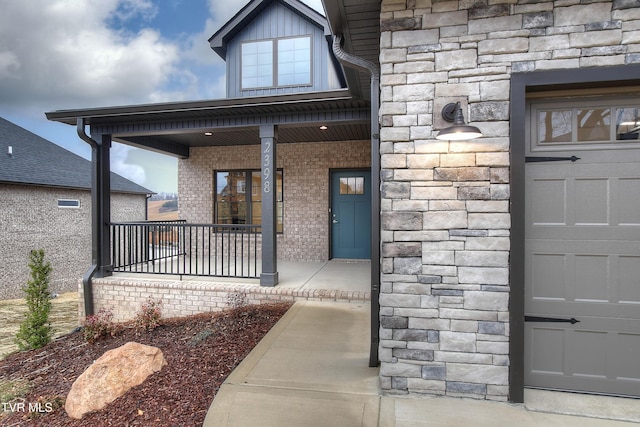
x: 218, y: 41
x: 70, y: 116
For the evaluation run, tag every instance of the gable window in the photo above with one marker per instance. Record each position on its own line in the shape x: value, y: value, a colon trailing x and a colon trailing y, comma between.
x: 276, y: 63
x: 257, y: 64
x: 294, y: 61
x: 238, y: 198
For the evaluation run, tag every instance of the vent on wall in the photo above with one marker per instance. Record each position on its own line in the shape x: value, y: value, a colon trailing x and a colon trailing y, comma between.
x: 69, y: 203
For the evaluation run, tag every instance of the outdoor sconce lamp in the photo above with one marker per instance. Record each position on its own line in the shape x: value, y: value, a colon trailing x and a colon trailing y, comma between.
x: 459, y: 131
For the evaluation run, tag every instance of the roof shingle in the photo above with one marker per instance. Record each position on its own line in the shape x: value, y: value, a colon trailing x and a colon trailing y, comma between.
x: 37, y: 161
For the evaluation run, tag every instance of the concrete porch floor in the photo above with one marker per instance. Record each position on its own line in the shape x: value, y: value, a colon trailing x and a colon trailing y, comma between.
x: 344, y: 275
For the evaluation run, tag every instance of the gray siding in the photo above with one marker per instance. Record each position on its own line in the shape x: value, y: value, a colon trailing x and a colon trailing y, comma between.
x: 275, y: 22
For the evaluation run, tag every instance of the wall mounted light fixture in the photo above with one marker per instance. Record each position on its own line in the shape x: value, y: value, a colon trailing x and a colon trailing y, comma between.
x: 459, y: 131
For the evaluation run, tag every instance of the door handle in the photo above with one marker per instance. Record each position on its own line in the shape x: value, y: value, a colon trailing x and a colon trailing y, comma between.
x: 335, y: 221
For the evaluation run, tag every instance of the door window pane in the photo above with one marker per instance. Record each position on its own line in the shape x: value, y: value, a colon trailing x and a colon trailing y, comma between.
x: 627, y: 123
x: 352, y: 185
x: 554, y: 126
x: 594, y: 124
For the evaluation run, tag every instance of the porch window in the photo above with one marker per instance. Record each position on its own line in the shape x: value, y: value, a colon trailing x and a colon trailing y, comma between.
x: 238, y: 198
x: 287, y: 59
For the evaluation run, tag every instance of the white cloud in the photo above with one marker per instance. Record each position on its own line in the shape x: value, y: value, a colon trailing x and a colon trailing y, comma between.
x: 63, y: 54
x: 119, y: 155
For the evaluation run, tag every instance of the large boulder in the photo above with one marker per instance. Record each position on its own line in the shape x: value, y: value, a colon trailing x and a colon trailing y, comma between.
x: 109, y: 377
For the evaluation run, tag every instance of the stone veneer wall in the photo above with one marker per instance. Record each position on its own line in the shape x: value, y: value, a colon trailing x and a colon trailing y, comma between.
x: 445, y: 205
x: 31, y: 219
x: 306, y: 188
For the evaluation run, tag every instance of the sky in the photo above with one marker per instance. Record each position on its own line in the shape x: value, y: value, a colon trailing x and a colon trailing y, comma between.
x: 74, y: 54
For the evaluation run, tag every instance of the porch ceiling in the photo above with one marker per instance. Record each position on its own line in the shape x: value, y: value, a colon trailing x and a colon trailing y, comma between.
x: 250, y: 136
x: 173, y: 128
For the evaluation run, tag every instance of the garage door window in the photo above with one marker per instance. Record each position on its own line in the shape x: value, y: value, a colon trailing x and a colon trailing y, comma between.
x: 587, y: 122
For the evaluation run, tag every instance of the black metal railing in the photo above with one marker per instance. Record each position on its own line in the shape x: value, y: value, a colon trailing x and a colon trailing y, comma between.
x: 178, y: 248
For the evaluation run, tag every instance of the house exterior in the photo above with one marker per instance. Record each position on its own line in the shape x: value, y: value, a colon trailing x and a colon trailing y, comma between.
x: 499, y: 263
x: 45, y: 194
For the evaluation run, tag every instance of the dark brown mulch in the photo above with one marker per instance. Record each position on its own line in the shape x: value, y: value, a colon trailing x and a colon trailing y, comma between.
x: 201, y: 351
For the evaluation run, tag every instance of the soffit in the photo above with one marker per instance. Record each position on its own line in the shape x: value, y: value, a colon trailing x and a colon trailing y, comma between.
x: 174, y: 127
x: 358, y: 21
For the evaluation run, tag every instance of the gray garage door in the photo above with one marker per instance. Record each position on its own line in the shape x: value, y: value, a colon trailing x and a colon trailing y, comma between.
x: 582, y: 247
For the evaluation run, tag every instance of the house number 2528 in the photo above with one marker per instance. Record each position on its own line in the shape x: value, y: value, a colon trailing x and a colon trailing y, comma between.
x: 266, y: 170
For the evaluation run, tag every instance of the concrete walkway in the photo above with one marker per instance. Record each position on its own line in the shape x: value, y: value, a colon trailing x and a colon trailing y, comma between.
x: 311, y: 370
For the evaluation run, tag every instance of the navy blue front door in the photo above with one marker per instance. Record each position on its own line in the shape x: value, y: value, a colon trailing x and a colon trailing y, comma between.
x: 351, y: 214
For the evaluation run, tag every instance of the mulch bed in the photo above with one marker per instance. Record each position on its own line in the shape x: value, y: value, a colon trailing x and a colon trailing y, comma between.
x: 201, y: 351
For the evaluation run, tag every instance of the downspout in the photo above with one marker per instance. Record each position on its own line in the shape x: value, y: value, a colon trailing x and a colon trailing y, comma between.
x: 352, y: 61
x: 93, y: 269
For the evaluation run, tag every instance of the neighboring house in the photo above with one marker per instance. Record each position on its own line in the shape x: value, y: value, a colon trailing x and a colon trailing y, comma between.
x: 45, y: 203
x: 538, y: 219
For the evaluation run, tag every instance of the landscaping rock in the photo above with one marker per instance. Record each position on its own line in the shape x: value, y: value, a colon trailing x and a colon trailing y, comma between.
x: 111, y: 376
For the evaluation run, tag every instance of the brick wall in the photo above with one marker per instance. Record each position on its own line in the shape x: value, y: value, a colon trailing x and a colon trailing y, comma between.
x: 306, y: 188
x: 445, y: 205
x: 124, y: 297
x: 30, y: 219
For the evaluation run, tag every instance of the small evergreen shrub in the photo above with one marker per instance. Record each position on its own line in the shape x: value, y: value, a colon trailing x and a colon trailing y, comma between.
x: 35, y: 330
x: 150, y: 315
x: 100, y: 325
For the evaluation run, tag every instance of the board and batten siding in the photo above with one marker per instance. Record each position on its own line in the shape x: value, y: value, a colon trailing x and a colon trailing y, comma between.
x: 279, y: 21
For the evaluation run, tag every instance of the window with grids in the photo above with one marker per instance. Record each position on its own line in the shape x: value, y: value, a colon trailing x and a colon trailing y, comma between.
x: 279, y: 62
x: 238, y: 198
x: 586, y: 122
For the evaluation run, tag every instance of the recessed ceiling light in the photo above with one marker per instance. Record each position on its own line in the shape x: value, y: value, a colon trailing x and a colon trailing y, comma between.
x: 323, y: 127
x: 208, y: 133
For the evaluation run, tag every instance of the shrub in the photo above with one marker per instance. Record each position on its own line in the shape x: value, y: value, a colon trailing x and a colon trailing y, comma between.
x: 150, y: 315
x: 100, y: 325
x: 35, y: 330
